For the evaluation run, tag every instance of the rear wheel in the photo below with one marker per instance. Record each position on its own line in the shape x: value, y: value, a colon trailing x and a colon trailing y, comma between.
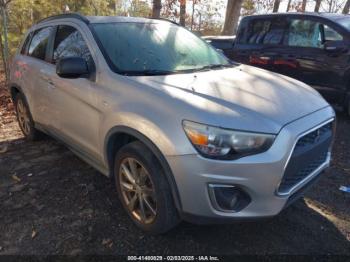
x: 24, y: 118
x: 144, y: 190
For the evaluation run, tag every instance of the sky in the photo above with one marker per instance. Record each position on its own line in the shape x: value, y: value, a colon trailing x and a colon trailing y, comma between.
x: 283, y: 6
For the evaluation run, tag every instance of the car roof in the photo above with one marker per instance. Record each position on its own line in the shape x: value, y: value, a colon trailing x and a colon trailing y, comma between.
x: 219, y: 37
x: 331, y: 16
x: 118, y: 19
x: 104, y: 19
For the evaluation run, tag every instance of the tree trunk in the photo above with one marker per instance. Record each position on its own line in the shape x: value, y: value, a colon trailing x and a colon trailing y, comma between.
x: 317, y: 6
x: 346, y: 7
x: 288, y: 5
x: 330, y: 6
x: 5, y: 51
x: 183, y: 12
x: 276, y: 6
x: 157, y: 6
x: 193, y: 9
x: 303, y: 6
x: 233, y: 11
x: 3, y: 56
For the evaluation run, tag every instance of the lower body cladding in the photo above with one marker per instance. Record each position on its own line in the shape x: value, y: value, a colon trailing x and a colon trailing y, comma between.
x: 257, y: 186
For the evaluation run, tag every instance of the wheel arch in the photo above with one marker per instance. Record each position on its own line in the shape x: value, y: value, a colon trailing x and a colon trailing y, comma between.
x: 14, y: 90
x: 119, y: 136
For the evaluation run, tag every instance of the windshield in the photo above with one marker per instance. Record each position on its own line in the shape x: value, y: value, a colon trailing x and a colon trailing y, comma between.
x: 345, y: 22
x: 155, y: 48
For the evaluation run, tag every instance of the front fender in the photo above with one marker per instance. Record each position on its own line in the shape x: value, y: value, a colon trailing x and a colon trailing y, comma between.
x: 167, y: 136
x: 153, y: 137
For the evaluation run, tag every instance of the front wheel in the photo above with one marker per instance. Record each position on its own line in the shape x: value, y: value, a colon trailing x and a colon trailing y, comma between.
x: 144, y: 190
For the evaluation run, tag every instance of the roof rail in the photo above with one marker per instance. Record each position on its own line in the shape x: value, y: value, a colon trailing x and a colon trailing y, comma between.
x: 165, y: 19
x: 66, y: 15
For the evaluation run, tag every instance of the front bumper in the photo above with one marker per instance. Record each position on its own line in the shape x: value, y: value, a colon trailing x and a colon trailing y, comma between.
x: 259, y: 175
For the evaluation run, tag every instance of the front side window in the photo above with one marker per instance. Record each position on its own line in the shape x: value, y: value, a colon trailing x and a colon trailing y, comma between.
x: 70, y: 43
x: 39, y: 42
x: 304, y: 33
x: 137, y: 48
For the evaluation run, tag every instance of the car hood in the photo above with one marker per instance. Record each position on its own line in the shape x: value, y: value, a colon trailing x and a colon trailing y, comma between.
x: 263, y: 100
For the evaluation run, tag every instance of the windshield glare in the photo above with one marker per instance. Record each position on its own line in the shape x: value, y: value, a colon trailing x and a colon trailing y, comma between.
x: 345, y: 22
x: 155, y: 47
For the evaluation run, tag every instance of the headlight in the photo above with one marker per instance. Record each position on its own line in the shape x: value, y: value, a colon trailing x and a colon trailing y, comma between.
x: 219, y: 143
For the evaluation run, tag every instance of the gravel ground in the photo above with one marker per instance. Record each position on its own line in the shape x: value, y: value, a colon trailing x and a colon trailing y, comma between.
x: 53, y: 203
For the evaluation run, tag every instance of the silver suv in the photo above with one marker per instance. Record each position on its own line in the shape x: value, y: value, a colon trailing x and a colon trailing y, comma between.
x: 183, y: 132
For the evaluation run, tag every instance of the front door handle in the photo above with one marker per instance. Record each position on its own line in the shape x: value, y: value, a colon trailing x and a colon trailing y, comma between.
x: 51, y: 84
x: 44, y: 78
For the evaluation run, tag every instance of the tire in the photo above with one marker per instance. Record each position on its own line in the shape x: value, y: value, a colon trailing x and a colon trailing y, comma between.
x: 160, y: 214
x: 25, y: 119
x: 348, y: 107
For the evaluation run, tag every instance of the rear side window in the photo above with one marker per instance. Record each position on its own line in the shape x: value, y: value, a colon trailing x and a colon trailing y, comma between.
x: 26, y: 44
x: 264, y: 32
x: 70, y: 43
x: 304, y: 33
x: 39, y: 43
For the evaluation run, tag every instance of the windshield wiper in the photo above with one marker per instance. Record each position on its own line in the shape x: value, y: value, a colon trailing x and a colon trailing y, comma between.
x: 213, y: 67
x: 149, y: 72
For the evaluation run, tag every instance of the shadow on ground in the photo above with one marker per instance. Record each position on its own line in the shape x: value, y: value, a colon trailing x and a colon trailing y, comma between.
x: 53, y: 203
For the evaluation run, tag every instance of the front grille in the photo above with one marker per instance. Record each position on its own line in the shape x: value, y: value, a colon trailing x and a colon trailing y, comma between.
x: 310, y: 152
x: 310, y: 138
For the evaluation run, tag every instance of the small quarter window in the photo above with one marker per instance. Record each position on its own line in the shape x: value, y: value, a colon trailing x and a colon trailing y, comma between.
x: 331, y: 35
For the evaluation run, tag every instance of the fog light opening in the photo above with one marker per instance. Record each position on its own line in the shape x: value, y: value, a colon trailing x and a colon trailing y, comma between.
x: 228, y: 198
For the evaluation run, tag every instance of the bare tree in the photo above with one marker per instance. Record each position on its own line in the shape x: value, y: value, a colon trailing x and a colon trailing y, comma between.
x: 317, y: 6
x: 288, y: 5
x: 276, y: 6
x: 5, y: 47
x: 233, y: 11
x: 334, y: 6
x: 157, y: 6
x: 303, y: 5
x: 182, y: 12
x: 346, y: 7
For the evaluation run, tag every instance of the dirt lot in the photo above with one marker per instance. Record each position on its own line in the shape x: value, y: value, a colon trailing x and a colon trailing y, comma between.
x: 53, y: 203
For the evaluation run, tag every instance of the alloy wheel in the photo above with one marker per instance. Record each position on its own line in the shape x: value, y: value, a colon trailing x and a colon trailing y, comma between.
x: 137, y: 190
x: 23, y: 117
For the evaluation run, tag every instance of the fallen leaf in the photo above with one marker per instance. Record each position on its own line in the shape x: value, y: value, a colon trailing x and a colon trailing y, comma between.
x: 16, y: 178
x: 34, y: 234
x: 3, y: 149
x: 107, y: 242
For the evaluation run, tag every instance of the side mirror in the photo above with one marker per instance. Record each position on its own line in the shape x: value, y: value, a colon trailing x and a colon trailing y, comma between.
x: 72, y: 67
x: 220, y: 51
x: 335, y: 47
